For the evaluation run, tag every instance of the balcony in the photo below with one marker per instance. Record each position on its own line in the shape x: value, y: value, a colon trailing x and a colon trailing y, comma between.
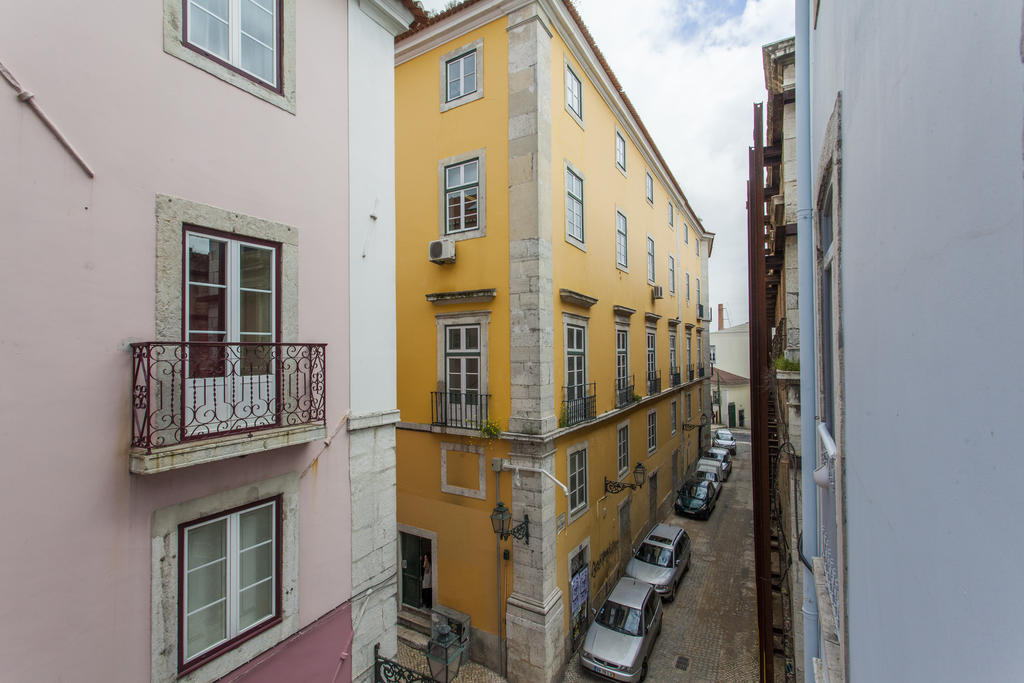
x: 675, y: 376
x: 579, y: 404
x: 700, y: 371
x: 703, y: 312
x: 197, y: 402
x: 654, y: 383
x: 462, y: 409
x: 625, y: 391
x: 689, y: 372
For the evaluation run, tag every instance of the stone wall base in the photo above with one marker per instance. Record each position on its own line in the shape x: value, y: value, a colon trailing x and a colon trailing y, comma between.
x: 536, y: 650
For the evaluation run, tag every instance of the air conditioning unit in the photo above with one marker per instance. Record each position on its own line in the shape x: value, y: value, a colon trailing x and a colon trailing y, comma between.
x: 657, y: 292
x: 442, y: 251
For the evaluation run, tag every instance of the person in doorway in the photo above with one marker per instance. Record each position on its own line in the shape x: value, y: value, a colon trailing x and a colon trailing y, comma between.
x: 428, y: 585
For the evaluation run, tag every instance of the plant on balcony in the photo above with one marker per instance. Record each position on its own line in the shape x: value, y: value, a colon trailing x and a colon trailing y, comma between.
x: 490, y: 429
x: 783, y: 363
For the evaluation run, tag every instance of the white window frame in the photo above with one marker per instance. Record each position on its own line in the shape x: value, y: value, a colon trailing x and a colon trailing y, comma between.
x: 698, y: 290
x: 622, y: 448
x: 571, y: 200
x: 621, y: 354
x: 672, y: 354
x: 689, y: 406
x: 650, y: 259
x: 652, y: 431
x: 689, y: 350
x: 571, y: 80
x: 687, y: 286
x: 463, y: 190
x: 459, y: 53
x: 649, y: 188
x: 621, y: 241
x: 480, y: 155
x: 673, y: 411
x: 671, y: 274
x: 461, y: 76
x: 671, y: 215
x: 652, y: 352
x: 686, y: 233
x: 620, y: 151
x: 577, y: 478
x: 572, y: 324
x: 235, y: 34
x: 445, y: 320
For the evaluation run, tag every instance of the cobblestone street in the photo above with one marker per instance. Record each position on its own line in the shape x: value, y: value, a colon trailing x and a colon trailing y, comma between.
x: 710, y: 630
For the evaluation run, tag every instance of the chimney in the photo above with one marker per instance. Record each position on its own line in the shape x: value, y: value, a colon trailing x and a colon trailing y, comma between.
x: 720, y: 307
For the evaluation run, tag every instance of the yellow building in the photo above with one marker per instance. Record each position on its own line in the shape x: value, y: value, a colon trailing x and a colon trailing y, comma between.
x: 551, y: 320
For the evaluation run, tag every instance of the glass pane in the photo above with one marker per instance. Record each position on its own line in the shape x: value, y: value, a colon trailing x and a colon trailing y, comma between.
x: 206, y: 628
x: 472, y: 381
x: 469, y: 67
x: 206, y: 585
x: 472, y: 339
x: 255, y: 565
x: 207, y: 31
x: 469, y: 220
x: 258, y: 22
x: 454, y: 338
x: 472, y: 365
x: 454, y: 176
x: 206, y: 543
x: 256, y: 268
x: 469, y: 84
x: 469, y: 172
x: 257, y: 360
x: 206, y: 260
x: 255, y: 604
x: 256, y: 526
x: 454, y: 211
x: 206, y: 309
x: 265, y: 4
x: 453, y: 90
x: 256, y: 312
x: 257, y: 59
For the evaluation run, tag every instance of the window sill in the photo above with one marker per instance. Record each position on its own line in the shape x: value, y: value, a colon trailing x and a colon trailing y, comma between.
x: 191, y: 453
x: 459, y: 101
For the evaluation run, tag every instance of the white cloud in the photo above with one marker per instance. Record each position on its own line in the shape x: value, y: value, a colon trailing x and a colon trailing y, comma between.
x: 693, y: 70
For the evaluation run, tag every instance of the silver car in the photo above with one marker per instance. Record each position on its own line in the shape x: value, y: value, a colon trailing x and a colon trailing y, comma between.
x: 621, y: 637
x: 723, y: 438
x: 662, y: 559
x: 721, y: 456
x: 712, y: 475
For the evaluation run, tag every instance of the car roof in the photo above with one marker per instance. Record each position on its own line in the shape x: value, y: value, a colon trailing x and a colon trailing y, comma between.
x: 709, y: 462
x: 663, y: 535
x: 722, y: 430
x: 630, y: 592
x: 715, y: 449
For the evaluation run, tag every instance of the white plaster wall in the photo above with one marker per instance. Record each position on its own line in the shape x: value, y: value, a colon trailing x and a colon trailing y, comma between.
x: 933, y: 251
x: 77, y: 278
x: 732, y: 349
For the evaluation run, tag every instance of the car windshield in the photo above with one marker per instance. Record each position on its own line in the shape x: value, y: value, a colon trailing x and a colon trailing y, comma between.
x: 716, y: 456
x: 710, y: 476
x: 724, y: 435
x: 652, y: 554
x: 619, y: 618
x: 698, y: 490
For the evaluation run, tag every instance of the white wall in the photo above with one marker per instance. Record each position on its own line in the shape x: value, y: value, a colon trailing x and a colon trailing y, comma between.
x: 933, y: 250
x: 732, y: 349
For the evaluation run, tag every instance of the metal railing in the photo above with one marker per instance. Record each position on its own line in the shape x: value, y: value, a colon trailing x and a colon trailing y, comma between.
x: 579, y: 404
x: 625, y: 391
x: 675, y: 376
x: 689, y: 372
x: 466, y: 409
x: 184, y: 391
x: 654, y: 382
x: 700, y: 370
x: 700, y: 311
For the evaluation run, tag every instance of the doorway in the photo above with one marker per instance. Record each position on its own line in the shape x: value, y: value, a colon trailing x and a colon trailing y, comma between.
x: 579, y: 593
x: 417, y: 562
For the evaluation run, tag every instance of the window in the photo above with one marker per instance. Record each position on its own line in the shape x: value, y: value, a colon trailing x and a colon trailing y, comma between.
x: 460, y: 76
x: 672, y: 351
x: 623, y: 449
x: 698, y: 290
x: 573, y: 93
x: 650, y: 188
x: 696, y: 246
x: 827, y: 295
x: 573, y: 206
x: 461, y: 188
x: 243, y: 34
x: 689, y: 406
x: 462, y: 361
x: 652, y: 365
x: 650, y: 259
x: 673, y: 416
x: 620, y: 151
x: 229, y: 575
x: 575, y: 362
x: 689, y: 357
x: 461, y: 345
x: 621, y: 253
x: 687, y: 285
x: 671, y: 214
x: 621, y: 356
x: 652, y: 431
x: 686, y: 233
x: 700, y: 351
x: 671, y: 274
x: 577, y: 480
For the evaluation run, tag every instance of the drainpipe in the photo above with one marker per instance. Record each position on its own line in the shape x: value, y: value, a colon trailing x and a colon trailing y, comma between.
x: 808, y: 390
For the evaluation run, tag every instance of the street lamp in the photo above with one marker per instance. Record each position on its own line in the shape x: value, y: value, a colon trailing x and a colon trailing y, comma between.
x: 639, y: 477
x: 444, y: 655
x: 501, y: 520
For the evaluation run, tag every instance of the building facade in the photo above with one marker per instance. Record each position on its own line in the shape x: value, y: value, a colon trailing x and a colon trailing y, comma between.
x: 187, y: 486
x: 552, y: 337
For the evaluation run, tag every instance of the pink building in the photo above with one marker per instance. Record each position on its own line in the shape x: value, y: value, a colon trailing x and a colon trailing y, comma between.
x: 197, y: 384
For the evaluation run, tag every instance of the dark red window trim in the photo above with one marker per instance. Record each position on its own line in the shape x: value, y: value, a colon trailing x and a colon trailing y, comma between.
x: 275, y: 88
x: 193, y: 664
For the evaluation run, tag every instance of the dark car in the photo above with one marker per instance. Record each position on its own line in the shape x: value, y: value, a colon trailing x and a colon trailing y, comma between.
x: 696, y: 498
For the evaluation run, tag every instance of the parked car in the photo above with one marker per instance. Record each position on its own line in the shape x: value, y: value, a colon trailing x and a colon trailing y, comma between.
x: 722, y: 456
x: 662, y: 559
x: 713, y: 475
x: 696, y: 498
x: 723, y: 438
x: 622, y: 635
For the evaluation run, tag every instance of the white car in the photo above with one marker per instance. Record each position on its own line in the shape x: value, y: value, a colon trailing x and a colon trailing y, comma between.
x: 723, y: 438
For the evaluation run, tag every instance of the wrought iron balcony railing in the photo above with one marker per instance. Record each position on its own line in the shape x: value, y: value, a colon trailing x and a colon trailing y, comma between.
x: 675, y: 376
x: 465, y: 409
x: 624, y: 391
x: 579, y: 404
x: 654, y: 382
x: 185, y: 391
x: 700, y: 371
x: 689, y: 372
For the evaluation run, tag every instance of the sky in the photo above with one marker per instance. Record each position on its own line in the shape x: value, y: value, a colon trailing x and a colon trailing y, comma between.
x: 693, y: 70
